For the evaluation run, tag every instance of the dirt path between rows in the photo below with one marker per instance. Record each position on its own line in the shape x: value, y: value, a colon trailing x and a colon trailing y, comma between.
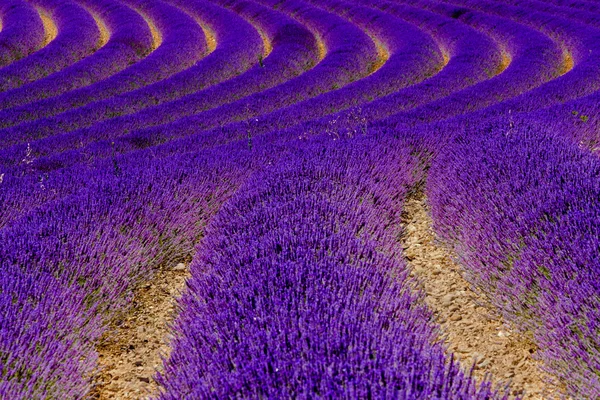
x: 129, y: 352
x: 383, y: 54
x: 211, y: 37
x: 469, y: 327
x: 154, y: 32
x: 50, y: 28
x: 102, y: 28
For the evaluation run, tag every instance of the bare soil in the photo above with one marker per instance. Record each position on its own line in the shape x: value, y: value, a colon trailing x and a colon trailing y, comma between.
x: 154, y: 32
x: 130, y: 352
x: 567, y: 62
x: 469, y: 327
x: 506, y: 60
x: 50, y: 28
x: 267, y: 45
x: 211, y: 37
x: 383, y: 54
x: 102, y: 28
x: 321, y: 46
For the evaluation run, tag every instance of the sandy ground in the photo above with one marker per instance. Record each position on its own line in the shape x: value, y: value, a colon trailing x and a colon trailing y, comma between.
x: 129, y: 354
x: 156, y: 34
x: 470, y: 328
x: 211, y: 37
x: 102, y: 28
x: 50, y: 28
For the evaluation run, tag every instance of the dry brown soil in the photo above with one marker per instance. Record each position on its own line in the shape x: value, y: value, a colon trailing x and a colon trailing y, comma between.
x: 470, y: 328
x: 102, y: 28
x: 156, y: 34
x: 211, y: 37
x: 50, y: 28
x: 130, y: 351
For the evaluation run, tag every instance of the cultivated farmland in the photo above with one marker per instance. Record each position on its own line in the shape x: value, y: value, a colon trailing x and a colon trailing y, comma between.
x: 299, y: 199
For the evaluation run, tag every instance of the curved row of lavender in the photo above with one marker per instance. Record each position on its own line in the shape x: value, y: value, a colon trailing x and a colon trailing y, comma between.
x: 297, y: 291
x: 295, y: 46
x: 536, y: 259
x: 77, y: 37
x: 129, y: 41
x: 181, y: 45
x: 27, y: 184
x: 348, y: 47
x: 105, y: 178
x: 70, y: 264
x: 22, y: 31
x: 291, y: 57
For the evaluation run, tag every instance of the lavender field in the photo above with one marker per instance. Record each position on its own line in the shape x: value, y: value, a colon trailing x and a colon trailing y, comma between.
x: 213, y: 199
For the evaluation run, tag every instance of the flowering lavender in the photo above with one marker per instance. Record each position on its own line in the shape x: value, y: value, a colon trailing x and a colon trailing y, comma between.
x: 22, y: 31
x: 128, y: 43
x: 77, y: 38
x: 518, y: 210
x: 274, y: 143
x: 295, y: 291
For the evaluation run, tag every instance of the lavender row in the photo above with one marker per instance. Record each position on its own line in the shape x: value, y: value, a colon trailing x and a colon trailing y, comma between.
x: 573, y: 84
x: 400, y: 70
x: 463, y: 69
x: 77, y: 38
x: 526, y: 261
x: 69, y: 265
x: 182, y: 44
x: 154, y: 133
x: 297, y: 290
x: 347, y: 46
x: 535, y: 59
x: 527, y: 70
x: 48, y: 363
x: 22, y: 31
x: 19, y: 196
x: 576, y: 117
x: 414, y: 56
x: 14, y: 193
x: 129, y: 41
x: 587, y: 6
x: 572, y: 116
x: 582, y: 81
x: 238, y: 48
x: 517, y: 201
x: 407, y: 47
x: 273, y: 121
x: 294, y: 51
x: 568, y: 326
x: 581, y: 48
x: 137, y: 138
x: 473, y: 57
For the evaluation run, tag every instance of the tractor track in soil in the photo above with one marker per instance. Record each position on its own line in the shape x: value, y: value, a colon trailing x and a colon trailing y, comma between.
x: 469, y: 327
x: 131, y: 349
